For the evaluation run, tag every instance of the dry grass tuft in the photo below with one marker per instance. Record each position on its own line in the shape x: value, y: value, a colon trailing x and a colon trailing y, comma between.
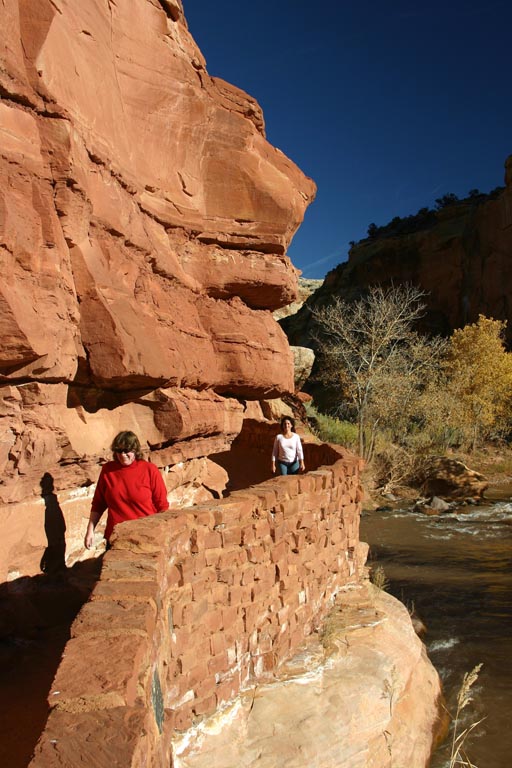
x: 378, y: 578
x: 458, y: 755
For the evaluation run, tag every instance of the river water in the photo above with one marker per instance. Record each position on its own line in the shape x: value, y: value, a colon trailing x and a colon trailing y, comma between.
x: 455, y: 571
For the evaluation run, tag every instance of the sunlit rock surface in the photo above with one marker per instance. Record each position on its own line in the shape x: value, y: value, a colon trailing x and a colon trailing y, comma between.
x: 363, y: 694
x: 143, y: 236
x: 451, y: 479
x: 307, y: 286
x: 145, y: 221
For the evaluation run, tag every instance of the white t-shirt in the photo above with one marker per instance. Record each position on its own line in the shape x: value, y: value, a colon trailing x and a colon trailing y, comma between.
x: 288, y: 449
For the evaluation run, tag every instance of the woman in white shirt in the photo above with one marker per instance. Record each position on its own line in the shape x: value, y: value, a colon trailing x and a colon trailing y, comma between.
x: 287, y: 452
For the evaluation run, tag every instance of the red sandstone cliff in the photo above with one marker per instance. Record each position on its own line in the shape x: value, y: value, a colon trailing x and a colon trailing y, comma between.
x: 143, y: 234
x: 461, y: 258
x: 144, y: 226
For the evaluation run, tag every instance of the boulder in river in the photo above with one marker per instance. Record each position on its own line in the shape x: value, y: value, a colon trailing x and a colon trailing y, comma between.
x: 433, y: 506
x: 450, y: 479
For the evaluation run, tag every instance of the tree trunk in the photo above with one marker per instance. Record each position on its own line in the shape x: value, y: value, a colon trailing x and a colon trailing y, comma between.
x: 360, y: 426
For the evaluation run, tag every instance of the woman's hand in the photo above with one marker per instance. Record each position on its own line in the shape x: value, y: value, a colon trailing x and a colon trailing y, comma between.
x: 302, y: 466
x: 273, y: 467
x: 89, y: 536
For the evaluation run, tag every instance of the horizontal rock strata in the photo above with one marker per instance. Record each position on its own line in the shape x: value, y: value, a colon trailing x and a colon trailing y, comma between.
x: 143, y: 236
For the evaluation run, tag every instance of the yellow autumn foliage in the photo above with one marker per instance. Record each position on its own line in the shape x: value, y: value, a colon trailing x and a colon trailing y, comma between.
x: 479, y: 377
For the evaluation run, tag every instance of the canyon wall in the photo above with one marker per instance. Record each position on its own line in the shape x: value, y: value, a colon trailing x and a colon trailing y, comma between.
x: 144, y: 221
x: 459, y: 255
x: 143, y: 233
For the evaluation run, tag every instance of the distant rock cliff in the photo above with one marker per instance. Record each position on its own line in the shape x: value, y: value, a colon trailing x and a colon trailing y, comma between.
x: 307, y: 286
x: 143, y: 236
x: 461, y: 256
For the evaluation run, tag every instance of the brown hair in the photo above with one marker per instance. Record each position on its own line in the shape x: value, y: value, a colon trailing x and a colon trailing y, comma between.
x: 127, y: 441
x: 290, y: 419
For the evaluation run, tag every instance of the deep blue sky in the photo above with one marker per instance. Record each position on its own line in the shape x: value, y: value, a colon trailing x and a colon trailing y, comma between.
x: 386, y: 104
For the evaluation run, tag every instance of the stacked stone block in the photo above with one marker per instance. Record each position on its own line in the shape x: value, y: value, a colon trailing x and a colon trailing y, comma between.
x: 193, y: 607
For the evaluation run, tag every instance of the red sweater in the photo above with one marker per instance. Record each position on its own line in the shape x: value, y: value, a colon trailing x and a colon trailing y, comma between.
x: 129, y: 492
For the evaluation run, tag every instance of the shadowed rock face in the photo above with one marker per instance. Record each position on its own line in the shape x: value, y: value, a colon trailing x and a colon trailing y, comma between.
x: 144, y: 224
x: 461, y: 259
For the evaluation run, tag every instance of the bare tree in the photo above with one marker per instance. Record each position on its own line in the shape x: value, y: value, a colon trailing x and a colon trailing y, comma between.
x: 371, y: 353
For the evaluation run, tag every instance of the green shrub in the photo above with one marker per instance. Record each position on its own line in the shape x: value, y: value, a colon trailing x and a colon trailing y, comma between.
x: 332, y: 430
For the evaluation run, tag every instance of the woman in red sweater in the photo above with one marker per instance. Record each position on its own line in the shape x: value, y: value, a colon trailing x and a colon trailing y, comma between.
x: 128, y: 487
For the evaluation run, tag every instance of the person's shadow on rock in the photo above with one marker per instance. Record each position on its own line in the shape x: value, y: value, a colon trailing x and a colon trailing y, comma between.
x: 53, y: 561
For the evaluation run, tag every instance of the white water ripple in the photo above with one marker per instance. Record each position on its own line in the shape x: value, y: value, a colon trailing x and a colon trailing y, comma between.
x: 443, y: 645
x: 484, y: 522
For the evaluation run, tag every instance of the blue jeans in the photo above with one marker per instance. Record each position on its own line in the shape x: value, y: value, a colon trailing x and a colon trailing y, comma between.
x: 288, y: 469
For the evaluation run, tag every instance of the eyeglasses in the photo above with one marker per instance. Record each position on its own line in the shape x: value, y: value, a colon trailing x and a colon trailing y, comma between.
x: 126, y: 453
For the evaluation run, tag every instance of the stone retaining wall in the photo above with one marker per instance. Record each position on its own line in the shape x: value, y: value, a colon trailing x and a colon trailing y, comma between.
x: 193, y: 607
